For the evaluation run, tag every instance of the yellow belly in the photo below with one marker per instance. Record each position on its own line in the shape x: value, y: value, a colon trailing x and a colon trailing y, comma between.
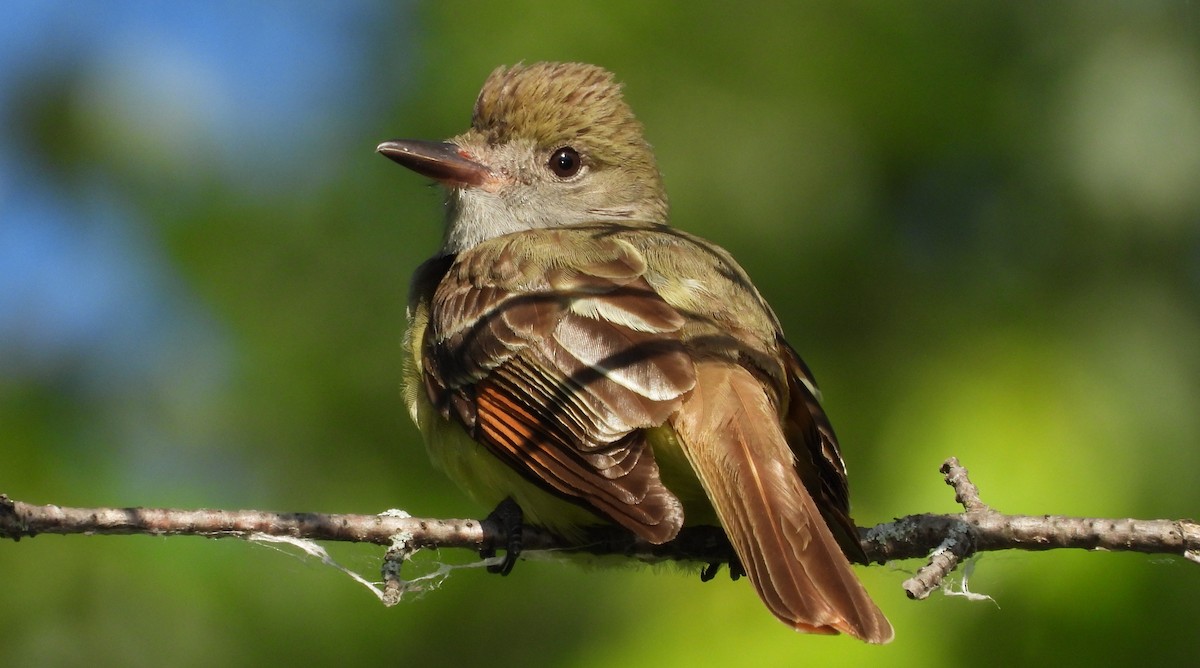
x: 489, y: 480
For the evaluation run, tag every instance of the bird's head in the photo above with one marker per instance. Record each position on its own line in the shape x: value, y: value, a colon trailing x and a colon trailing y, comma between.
x: 550, y: 144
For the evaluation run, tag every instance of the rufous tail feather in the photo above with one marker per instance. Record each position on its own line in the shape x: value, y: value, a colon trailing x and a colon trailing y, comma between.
x: 732, y: 437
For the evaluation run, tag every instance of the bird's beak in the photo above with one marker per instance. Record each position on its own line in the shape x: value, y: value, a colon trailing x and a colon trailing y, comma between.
x: 442, y: 161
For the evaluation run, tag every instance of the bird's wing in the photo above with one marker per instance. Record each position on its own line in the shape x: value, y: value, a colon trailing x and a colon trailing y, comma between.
x: 556, y: 362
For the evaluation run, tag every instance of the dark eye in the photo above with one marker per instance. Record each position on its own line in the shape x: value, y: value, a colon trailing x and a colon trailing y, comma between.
x: 565, y: 162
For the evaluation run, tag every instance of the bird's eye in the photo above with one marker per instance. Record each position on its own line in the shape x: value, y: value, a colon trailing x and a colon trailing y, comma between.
x: 565, y: 162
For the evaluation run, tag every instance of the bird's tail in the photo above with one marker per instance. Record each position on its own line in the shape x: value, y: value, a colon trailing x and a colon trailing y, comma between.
x: 732, y: 437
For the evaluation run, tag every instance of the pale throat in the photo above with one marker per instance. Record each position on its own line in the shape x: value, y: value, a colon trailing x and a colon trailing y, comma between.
x: 475, y: 215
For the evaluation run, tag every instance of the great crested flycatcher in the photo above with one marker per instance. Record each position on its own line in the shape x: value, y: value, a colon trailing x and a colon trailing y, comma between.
x: 572, y: 352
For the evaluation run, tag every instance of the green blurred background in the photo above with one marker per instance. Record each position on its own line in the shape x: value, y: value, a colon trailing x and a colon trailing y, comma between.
x: 979, y: 223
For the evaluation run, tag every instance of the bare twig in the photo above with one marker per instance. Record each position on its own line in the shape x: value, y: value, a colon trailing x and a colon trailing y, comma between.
x: 945, y: 539
x: 959, y: 542
x: 982, y: 529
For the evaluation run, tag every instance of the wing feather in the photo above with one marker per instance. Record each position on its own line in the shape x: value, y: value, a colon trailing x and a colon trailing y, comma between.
x: 557, y: 364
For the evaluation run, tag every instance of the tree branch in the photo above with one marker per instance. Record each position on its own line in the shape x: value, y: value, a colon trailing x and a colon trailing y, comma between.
x: 945, y: 539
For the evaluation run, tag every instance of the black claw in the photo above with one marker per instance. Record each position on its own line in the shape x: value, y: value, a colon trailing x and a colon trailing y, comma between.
x: 736, y: 570
x: 506, y: 521
x: 710, y: 570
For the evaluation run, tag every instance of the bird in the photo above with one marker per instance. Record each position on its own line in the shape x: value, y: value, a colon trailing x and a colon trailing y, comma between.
x: 575, y: 359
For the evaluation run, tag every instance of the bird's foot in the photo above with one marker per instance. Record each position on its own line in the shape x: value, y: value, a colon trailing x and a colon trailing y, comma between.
x: 506, y: 523
x: 711, y: 569
x: 736, y: 570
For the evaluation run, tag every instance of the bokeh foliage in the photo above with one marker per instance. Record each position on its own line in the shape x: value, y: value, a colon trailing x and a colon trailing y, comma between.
x: 980, y: 224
